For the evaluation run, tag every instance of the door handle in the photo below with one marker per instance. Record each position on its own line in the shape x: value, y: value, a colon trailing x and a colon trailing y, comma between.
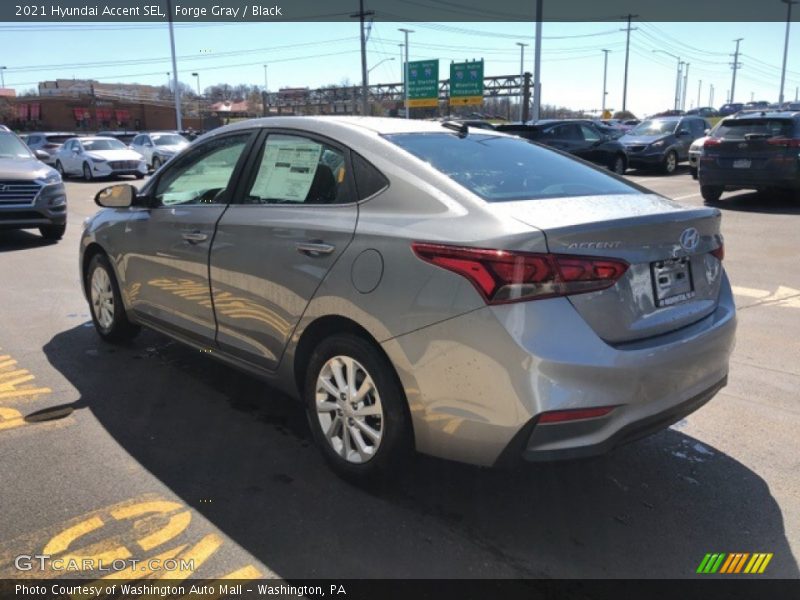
x: 194, y: 237
x: 314, y: 248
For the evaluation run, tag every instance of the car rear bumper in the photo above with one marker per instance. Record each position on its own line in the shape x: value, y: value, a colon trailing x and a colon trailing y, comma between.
x: 750, y: 178
x: 477, y: 384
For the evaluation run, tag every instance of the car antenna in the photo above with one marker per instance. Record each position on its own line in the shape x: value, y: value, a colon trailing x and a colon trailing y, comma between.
x: 460, y: 128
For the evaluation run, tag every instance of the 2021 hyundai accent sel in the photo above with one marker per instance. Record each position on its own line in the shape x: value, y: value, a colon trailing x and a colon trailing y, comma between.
x: 419, y: 285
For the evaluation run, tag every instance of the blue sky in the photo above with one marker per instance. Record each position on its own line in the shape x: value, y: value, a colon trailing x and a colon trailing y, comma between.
x: 315, y: 54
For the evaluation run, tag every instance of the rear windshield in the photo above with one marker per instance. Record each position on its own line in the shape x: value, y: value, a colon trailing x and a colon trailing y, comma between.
x: 58, y: 139
x: 502, y: 168
x: 740, y: 129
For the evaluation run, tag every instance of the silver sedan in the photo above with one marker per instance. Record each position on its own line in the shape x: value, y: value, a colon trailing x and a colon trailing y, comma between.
x: 422, y: 285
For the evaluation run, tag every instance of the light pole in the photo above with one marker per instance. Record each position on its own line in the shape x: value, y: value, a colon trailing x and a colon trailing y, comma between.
x: 521, y: 79
x: 402, y: 70
x: 266, y: 87
x: 537, y: 63
x: 177, y: 91
x: 199, y: 111
x: 788, y: 4
x: 605, y: 72
x: 405, y: 71
x: 2, y: 78
x: 711, y: 95
x: 379, y: 63
x: 678, y: 81
x: 197, y: 77
x: 685, y: 87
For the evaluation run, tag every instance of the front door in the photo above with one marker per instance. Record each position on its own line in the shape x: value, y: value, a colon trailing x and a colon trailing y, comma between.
x: 166, y: 275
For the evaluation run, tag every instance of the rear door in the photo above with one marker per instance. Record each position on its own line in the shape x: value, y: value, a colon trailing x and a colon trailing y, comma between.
x: 166, y: 268
x: 276, y: 243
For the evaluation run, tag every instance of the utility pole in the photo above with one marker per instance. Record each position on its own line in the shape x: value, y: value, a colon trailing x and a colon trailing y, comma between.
x: 699, y: 91
x: 685, y: 87
x: 537, y: 63
x: 177, y: 92
x: 711, y: 96
x: 605, y: 73
x: 402, y: 62
x: 2, y: 77
x: 796, y: 92
x: 679, y: 85
x: 364, y: 82
x: 786, y: 44
x: 405, y: 72
x: 736, y: 66
x: 628, y: 29
x: 521, y: 79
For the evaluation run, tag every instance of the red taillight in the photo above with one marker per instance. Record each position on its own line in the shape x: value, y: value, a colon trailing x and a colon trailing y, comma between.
x: 784, y: 142
x: 502, y: 276
x: 719, y: 252
x: 712, y: 142
x: 559, y: 416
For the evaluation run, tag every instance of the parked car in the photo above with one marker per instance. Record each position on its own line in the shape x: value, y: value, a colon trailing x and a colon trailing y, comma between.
x: 663, y: 142
x: 126, y: 137
x: 758, y: 151
x: 580, y: 138
x: 730, y: 108
x: 49, y: 142
x: 32, y: 195
x: 761, y: 104
x: 97, y: 157
x: 707, y: 112
x: 529, y: 305
x: 158, y: 147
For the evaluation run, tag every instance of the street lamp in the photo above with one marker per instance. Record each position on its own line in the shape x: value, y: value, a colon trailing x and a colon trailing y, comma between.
x: 678, y: 81
x: 605, y: 72
x: 197, y: 76
x: 199, y: 112
x: 521, y: 80
x: 788, y: 4
x: 379, y: 64
x: 402, y: 70
x: 405, y: 70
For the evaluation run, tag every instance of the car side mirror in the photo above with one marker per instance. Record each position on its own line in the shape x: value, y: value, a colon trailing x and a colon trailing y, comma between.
x: 41, y: 154
x: 120, y: 195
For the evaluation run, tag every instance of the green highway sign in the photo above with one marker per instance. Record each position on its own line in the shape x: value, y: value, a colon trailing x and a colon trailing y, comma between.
x: 466, y: 83
x: 423, y: 83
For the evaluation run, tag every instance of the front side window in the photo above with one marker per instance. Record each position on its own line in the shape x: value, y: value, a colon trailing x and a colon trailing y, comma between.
x: 502, y: 168
x: 204, y: 175
x: 589, y: 134
x: 298, y: 170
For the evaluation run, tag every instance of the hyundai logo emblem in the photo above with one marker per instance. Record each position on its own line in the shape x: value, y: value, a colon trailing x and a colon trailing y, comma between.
x: 690, y: 238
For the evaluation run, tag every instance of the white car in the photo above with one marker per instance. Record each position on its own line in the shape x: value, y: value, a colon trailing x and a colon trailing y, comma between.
x: 696, y: 149
x: 96, y: 157
x: 158, y: 147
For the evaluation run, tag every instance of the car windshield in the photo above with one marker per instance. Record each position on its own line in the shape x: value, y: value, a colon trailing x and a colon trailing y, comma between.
x: 169, y: 139
x: 12, y: 147
x: 740, y: 129
x: 58, y: 139
x: 503, y: 168
x: 655, y: 127
x: 108, y: 144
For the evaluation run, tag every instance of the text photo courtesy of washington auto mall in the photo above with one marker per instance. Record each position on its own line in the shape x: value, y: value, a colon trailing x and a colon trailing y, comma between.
x: 399, y: 299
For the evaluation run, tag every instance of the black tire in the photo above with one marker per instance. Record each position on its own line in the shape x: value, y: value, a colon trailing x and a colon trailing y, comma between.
x: 156, y: 163
x: 87, y: 172
x: 670, y: 163
x: 60, y: 169
x: 693, y: 171
x: 52, y: 232
x: 139, y: 176
x: 120, y: 328
x: 619, y: 165
x: 396, y: 441
x: 711, y: 193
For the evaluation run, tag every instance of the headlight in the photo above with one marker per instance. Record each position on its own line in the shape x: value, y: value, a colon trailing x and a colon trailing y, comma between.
x: 51, y: 177
x: 97, y: 160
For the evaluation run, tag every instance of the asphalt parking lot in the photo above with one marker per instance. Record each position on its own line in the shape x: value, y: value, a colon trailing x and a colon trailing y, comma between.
x: 156, y: 450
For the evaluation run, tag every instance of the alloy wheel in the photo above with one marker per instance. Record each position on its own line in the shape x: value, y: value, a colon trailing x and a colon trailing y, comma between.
x: 349, y: 409
x: 102, y: 295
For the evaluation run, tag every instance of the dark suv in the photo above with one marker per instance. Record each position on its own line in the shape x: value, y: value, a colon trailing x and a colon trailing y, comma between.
x: 663, y: 142
x: 756, y: 151
x: 581, y: 138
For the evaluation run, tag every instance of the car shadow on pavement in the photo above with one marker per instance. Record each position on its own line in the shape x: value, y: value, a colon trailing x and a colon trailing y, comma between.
x: 206, y: 431
x: 760, y: 202
x: 18, y: 239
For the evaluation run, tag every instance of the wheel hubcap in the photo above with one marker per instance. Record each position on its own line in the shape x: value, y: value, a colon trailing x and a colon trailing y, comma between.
x: 349, y: 409
x: 102, y: 298
x: 671, y: 162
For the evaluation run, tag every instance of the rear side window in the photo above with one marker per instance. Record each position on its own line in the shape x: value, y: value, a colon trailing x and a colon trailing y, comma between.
x: 369, y: 181
x: 741, y: 129
x: 501, y: 168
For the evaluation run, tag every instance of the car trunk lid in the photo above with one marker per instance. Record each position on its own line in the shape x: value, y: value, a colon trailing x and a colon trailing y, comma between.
x: 752, y: 144
x: 673, y: 279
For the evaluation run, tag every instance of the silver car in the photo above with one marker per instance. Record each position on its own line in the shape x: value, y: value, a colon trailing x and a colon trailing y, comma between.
x: 422, y: 285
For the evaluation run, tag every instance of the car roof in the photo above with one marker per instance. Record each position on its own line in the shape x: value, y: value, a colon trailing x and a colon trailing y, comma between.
x: 91, y: 138
x: 765, y: 114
